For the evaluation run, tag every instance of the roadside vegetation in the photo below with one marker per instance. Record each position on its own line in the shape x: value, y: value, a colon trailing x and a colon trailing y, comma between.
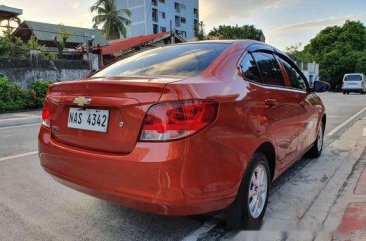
x: 228, y: 32
x: 16, y: 48
x: 236, y: 32
x: 338, y: 49
x: 14, y: 98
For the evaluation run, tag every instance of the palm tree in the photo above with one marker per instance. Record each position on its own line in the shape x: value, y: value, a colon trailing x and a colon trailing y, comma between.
x: 114, y: 21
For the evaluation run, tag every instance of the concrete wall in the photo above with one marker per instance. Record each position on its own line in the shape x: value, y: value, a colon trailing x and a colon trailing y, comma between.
x: 24, y: 71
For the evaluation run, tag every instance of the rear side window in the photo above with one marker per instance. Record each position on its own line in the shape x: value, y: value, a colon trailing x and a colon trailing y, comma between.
x: 186, y: 60
x: 294, y: 76
x: 249, y: 68
x: 271, y: 73
x: 353, y: 77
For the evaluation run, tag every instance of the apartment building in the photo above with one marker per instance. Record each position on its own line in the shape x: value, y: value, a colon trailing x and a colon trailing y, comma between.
x: 155, y: 16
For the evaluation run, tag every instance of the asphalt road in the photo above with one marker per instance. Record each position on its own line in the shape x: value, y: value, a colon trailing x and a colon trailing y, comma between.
x: 35, y: 207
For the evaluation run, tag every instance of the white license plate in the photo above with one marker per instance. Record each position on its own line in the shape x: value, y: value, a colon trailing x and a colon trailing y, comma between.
x: 88, y: 119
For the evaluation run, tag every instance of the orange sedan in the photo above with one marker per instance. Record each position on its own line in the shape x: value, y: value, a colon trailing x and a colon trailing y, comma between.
x: 185, y: 129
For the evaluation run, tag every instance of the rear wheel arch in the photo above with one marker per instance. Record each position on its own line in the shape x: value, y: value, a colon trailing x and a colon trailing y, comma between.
x: 323, y: 122
x: 269, y: 151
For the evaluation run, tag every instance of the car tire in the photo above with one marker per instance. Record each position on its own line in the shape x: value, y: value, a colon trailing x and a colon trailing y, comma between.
x: 362, y: 92
x: 344, y: 92
x: 242, y: 215
x: 317, y: 148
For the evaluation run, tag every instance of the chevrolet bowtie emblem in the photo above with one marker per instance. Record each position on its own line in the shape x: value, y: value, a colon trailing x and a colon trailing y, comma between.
x: 82, y: 101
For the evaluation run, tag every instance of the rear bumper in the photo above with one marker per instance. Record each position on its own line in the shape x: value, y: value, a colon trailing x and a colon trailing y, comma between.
x: 163, y: 178
x: 352, y: 89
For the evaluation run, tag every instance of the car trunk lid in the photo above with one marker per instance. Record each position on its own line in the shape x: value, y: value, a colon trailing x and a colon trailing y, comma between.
x: 125, y: 99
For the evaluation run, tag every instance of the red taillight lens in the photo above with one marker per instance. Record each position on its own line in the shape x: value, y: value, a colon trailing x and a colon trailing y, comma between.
x: 171, y: 121
x: 46, y: 116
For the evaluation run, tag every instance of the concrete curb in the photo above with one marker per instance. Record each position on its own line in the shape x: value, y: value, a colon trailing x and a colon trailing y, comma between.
x: 20, y: 121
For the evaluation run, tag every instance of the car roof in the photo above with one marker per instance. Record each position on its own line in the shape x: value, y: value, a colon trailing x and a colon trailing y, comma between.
x: 241, y: 43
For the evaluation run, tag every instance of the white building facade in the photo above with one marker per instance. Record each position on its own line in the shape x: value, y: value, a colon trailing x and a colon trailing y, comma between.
x: 310, y: 70
x: 155, y: 16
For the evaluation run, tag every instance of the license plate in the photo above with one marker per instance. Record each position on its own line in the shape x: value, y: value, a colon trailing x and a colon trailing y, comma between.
x: 88, y: 119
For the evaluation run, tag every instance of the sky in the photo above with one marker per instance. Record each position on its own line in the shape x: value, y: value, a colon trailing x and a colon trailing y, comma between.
x: 284, y: 22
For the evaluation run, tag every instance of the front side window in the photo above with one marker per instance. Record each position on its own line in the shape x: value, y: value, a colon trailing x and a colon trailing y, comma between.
x: 249, y: 68
x: 294, y: 76
x: 270, y: 71
x: 185, y: 60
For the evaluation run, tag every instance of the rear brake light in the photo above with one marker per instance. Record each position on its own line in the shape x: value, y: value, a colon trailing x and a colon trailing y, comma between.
x: 176, y: 120
x: 46, y: 116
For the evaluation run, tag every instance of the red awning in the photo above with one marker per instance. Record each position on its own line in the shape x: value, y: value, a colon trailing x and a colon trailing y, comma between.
x: 120, y: 45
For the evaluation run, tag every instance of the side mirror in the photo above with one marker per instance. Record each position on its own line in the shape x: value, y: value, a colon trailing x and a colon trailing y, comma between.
x: 320, y: 86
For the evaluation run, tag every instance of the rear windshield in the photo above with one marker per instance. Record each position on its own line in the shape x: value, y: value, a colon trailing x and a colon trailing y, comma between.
x: 187, y: 60
x: 353, y: 77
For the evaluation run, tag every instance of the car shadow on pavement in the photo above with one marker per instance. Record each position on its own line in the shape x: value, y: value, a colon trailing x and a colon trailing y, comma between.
x: 115, y: 221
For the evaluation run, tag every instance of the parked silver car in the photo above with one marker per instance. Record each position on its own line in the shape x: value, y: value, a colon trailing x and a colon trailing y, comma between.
x: 354, y: 83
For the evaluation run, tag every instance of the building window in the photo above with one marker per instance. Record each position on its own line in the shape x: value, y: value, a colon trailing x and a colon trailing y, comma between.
x: 162, y: 1
x: 195, y: 12
x: 177, y: 7
x: 183, y: 20
x: 163, y: 15
x: 155, y: 15
x: 155, y: 28
x: 163, y: 29
x: 177, y: 21
x: 154, y: 2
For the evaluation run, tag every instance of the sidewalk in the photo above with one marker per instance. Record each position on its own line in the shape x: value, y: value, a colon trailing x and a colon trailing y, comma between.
x: 350, y: 207
x: 20, y: 118
x: 326, y: 197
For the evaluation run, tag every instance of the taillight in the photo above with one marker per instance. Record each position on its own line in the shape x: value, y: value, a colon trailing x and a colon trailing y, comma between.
x: 176, y: 120
x: 46, y: 116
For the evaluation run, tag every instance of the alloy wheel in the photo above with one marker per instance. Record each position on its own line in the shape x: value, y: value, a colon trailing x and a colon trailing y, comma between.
x: 258, y: 191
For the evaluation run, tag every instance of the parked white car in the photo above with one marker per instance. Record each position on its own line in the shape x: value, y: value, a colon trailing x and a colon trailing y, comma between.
x: 354, y: 83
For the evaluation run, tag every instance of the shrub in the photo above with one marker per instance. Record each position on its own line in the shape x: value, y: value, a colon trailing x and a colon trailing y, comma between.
x: 14, y: 98
x: 14, y: 47
x: 50, y: 56
x: 40, y: 88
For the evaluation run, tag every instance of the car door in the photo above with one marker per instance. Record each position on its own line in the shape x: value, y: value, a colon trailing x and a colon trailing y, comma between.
x: 281, y: 109
x: 308, y: 119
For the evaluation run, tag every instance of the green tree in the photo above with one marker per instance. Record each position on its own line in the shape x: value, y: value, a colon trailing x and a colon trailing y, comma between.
x: 61, y: 43
x: 114, y: 21
x: 297, y: 54
x: 199, y: 31
x: 236, y: 32
x: 339, y: 50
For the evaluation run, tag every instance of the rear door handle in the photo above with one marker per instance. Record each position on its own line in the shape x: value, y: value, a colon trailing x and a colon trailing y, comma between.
x: 270, y: 102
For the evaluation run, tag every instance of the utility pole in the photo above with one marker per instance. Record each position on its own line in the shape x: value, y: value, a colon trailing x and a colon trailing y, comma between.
x: 172, y: 34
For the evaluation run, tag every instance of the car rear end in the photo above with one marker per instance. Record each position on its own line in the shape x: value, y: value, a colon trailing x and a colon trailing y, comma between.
x: 110, y: 137
x: 354, y: 83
